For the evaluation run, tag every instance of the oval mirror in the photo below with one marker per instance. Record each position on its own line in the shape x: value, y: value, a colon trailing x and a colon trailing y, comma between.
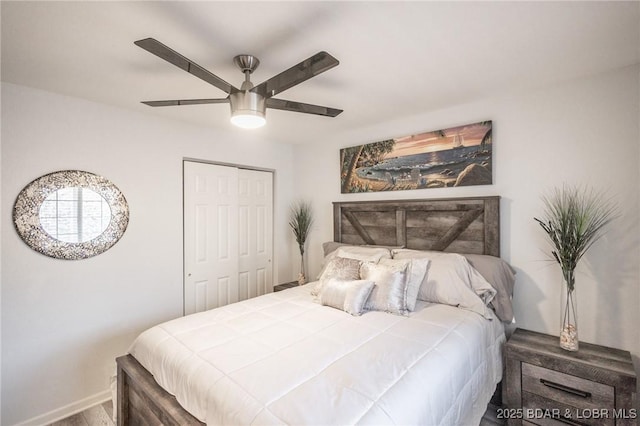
x: 71, y: 214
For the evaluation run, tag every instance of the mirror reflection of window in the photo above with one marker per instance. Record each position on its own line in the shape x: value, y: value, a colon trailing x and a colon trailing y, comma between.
x: 74, y: 215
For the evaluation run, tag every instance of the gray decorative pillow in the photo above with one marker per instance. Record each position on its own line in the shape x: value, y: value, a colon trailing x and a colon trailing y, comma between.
x: 340, y: 268
x: 349, y: 296
x: 501, y: 276
x: 390, y: 292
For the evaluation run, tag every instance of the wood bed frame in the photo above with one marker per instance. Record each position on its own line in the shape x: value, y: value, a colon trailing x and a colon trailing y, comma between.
x: 463, y: 225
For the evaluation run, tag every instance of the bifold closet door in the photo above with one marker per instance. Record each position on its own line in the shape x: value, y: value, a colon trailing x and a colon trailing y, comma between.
x: 228, y: 235
x: 255, y: 233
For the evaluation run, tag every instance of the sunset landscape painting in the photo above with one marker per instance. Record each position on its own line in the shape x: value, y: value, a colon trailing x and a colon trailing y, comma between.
x: 457, y: 156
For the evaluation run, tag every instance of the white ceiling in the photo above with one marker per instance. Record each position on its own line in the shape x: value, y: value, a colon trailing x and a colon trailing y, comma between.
x: 396, y: 58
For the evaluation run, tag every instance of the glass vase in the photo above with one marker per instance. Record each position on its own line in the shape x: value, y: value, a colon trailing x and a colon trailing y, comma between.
x: 302, y: 279
x: 569, y: 325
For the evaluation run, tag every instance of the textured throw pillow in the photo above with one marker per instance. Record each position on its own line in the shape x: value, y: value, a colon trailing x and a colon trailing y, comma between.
x: 340, y: 268
x: 349, y: 296
x: 449, y: 281
x: 390, y: 292
x: 416, y: 271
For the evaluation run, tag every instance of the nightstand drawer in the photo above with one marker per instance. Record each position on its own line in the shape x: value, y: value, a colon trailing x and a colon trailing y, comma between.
x: 541, y: 411
x: 571, y: 390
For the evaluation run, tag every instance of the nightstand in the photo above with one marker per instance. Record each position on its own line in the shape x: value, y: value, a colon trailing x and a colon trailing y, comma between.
x: 546, y: 385
x: 285, y: 286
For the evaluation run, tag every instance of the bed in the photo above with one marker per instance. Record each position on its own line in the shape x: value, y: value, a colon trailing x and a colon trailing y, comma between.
x: 284, y: 358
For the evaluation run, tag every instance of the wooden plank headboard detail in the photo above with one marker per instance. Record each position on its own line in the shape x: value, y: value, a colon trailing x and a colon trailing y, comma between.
x: 461, y: 225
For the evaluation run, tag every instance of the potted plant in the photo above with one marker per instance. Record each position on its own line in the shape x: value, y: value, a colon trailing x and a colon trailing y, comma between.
x: 300, y: 220
x: 573, y: 220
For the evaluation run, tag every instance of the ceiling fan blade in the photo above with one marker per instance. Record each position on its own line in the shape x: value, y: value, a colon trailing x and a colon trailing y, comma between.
x: 310, y: 67
x: 300, y: 107
x: 186, y: 102
x: 160, y: 50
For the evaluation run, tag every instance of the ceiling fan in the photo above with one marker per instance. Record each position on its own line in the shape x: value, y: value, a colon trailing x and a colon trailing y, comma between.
x: 248, y: 104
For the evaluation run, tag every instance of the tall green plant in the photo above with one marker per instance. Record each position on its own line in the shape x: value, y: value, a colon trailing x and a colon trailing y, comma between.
x: 573, y: 220
x: 300, y: 221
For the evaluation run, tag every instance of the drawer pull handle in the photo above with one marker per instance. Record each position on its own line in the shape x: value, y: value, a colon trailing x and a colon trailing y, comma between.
x: 566, y: 389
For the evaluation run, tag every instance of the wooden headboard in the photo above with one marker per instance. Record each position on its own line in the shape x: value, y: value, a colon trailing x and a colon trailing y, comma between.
x: 461, y: 225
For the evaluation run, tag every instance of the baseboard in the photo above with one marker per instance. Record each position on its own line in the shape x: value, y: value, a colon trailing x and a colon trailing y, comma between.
x: 68, y: 410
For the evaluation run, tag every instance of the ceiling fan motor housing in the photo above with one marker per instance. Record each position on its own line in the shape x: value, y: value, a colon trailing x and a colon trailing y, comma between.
x: 245, y: 102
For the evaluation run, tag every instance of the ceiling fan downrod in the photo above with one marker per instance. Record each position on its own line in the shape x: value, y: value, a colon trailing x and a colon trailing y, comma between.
x: 247, y: 108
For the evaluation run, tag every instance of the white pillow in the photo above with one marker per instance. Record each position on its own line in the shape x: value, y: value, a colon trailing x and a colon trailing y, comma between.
x: 349, y: 296
x: 416, y: 272
x: 362, y: 253
x: 330, y: 246
x: 390, y: 292
x: 452, y: 281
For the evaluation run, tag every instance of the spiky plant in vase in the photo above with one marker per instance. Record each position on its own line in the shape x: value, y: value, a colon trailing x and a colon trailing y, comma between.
x: 300, y: 220
x: 573, y: 219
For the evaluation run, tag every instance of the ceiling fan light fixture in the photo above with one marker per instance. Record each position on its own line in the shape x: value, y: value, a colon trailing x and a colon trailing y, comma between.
x: 247, y: 109
x: 248, y: 119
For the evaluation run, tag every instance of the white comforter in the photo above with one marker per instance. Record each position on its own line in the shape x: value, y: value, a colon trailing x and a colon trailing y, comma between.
x: 282, y: 358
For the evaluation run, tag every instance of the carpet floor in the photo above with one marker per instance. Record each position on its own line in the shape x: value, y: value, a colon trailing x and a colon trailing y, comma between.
x: 98, y: 415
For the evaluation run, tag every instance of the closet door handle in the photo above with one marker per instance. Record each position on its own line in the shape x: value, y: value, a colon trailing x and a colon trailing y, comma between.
x: 567, y: 389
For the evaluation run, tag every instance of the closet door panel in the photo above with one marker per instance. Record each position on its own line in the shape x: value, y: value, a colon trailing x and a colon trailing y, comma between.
x: 210, y: 242
x: 256, y: 200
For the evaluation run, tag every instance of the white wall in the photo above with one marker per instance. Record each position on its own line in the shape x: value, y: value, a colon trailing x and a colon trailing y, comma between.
x: 579, y: 132
x: 64, y: 322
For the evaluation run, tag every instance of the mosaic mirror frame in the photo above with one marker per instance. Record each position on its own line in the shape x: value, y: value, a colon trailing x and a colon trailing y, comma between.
x: 26, y: 214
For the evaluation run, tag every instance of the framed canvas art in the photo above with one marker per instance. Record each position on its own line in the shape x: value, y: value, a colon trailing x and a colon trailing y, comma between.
x: 457, y: 156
